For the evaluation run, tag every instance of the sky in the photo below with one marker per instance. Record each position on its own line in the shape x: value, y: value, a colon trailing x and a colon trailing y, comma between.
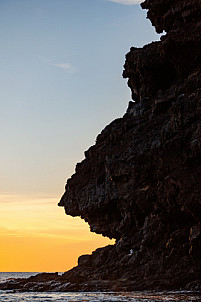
x: 61, y: 84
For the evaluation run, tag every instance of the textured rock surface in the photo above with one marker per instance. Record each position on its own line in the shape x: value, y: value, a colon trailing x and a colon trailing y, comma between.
x: 160, y: 65
x: 141, y: 182
x: 170, y: 15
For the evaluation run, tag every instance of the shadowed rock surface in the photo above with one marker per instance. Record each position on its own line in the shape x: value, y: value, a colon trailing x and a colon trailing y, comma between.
x: 141, y: 182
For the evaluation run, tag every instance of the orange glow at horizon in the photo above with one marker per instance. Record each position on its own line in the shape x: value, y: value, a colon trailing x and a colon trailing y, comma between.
x: 37, y: 236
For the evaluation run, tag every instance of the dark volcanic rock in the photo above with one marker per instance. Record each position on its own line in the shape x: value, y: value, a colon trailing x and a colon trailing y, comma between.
x: 170, y: 15
x: 157, y: 66
x: 141, y: 182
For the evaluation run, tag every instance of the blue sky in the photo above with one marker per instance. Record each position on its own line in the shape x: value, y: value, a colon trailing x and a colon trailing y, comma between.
x: 61, y: 84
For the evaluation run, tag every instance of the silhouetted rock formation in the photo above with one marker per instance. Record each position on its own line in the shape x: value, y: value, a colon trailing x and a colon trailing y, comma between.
x: 161, y: 65
x: 141, y: 182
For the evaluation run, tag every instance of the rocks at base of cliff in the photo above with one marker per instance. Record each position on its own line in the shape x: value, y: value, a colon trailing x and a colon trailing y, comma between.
x: 71, y: 282
x: 39, y: 282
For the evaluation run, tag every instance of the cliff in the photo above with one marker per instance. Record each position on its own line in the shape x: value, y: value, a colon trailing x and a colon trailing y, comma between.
x: 141, y: 182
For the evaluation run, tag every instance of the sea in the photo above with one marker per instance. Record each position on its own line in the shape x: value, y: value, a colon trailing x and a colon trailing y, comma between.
x: 145, y: 296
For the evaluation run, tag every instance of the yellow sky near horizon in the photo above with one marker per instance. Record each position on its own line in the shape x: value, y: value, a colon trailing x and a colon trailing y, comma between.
x: 37, y: 236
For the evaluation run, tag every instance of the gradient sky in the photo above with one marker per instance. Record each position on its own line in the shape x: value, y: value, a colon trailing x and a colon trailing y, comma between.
x: 61, y: 84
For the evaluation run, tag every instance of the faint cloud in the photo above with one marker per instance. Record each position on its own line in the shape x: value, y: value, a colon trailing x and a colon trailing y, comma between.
x: 127, y: 2
x: 49, y: 61
x: 64, y: 66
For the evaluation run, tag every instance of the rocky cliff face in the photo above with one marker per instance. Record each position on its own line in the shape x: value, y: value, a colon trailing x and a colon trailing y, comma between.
x: 141, y: 182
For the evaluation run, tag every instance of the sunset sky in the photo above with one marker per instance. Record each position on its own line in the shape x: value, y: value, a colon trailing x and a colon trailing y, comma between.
x: 61, y: 84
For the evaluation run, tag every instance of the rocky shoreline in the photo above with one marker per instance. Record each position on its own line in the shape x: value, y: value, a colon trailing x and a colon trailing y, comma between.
x: 141, y: 182
x: 68, y: 282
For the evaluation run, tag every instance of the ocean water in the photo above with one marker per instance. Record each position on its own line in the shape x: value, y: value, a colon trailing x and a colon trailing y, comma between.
x: 11, y: 296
